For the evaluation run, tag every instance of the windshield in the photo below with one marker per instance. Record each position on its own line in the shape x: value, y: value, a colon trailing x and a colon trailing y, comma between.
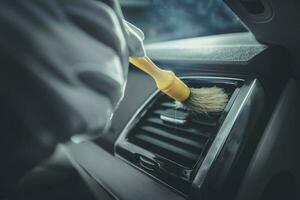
x: 163, y: 20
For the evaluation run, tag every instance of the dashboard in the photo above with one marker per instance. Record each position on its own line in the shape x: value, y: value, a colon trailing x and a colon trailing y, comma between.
x: 190, y: 157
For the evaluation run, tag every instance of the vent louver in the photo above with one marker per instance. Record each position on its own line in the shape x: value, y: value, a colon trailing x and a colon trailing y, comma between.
x: 180, y: 143
x: 168, y: 142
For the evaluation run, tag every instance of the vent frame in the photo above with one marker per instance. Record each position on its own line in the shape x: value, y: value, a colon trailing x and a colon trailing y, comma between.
x: 183, y: 184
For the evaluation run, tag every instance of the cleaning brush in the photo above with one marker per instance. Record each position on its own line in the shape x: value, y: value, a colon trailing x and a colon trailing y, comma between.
x: 200, y: 100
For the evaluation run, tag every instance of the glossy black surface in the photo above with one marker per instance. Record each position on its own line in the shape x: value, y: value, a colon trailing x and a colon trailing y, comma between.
x: 239, y: 125
x: 273, y: 172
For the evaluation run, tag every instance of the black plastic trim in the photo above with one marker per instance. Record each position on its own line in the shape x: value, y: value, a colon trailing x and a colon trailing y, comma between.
x: 239, y: 124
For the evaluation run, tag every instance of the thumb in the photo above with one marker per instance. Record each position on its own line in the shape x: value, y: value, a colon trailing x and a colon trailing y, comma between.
x: 135, y: 39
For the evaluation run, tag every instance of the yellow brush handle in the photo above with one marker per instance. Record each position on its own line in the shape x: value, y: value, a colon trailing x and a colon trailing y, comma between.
x: 166, y: 81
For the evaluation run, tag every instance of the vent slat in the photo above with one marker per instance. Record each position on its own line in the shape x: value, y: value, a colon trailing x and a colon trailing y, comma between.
x: 181, y: 140
x: 200, y: 120
x: 158, y: 111
x: 182, y: 129
x: 212, y: 122
x: 167, y: 104
x: 173, y: 152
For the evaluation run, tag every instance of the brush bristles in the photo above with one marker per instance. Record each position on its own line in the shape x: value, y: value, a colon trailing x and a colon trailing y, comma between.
x: 206, y: 100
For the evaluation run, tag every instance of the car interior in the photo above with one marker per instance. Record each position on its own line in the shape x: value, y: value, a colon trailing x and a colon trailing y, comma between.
x: 155, y: 150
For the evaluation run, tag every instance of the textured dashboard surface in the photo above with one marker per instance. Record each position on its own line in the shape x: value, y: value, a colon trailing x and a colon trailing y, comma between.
x: 235, y: 47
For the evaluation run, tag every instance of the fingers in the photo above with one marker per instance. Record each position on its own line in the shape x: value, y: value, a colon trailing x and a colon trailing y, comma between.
x: 101, y: 22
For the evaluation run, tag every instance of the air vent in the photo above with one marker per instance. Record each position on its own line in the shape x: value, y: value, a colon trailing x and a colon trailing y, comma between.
x: 163, y: 132
x: 170, y: 143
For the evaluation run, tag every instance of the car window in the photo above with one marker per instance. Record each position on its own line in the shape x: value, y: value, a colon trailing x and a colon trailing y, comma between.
x: 174, y: 19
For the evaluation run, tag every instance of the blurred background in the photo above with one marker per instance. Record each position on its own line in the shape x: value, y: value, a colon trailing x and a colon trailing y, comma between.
x: 163, y: 20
